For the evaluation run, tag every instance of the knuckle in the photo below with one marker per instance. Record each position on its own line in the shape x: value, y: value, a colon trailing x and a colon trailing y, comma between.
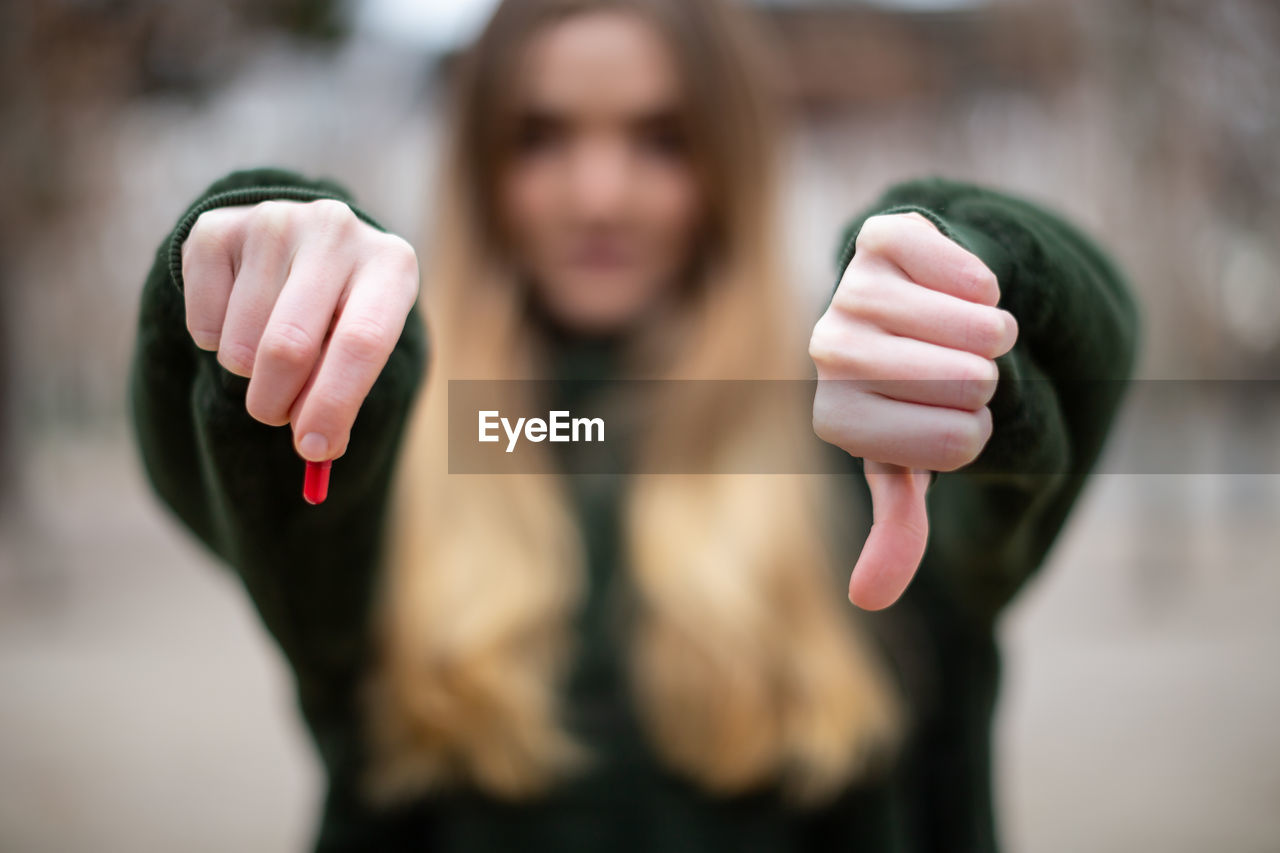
x: 875, y: 236
x: 978, y: 380
x: 332, y: 215
x: 236, y: 357
x: 857, y: 363
x: 992, y: 372
x: 828, y: 353
x: 820, y: 423
x: 837, y: 343
x: 269, y: 210
x: 975, y: 395
x: 977, y: 370
x: 960, y: 441
x: 986, y: 333
x: 271, y: 224
x: 401, y: 256
x: 331, y: 411
x: 862, y: 299
x: 988, y: 279
x: 212, y: 226
x: 207, y: 244
x: 205, y: 339
x: 365, y: 340
x: 982, y: 393
x: 981, y: 281
x: 970, y: 439
x: 256, y: 411
x: 826, y: 431
x: 821, y: 346
x: 950, y: 449
x: 269, y: 412
x: 203, y: 235
x: 838, y: 417
x: 321, y: 412
x: 826, y: 424
x: 1011, y: 331
x: 288, y: 343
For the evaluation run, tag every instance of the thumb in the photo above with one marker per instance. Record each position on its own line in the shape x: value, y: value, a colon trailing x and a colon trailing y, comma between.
x: 899, y: 531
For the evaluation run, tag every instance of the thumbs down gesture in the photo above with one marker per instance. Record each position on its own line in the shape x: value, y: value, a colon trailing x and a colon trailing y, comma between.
x: 905, y: 355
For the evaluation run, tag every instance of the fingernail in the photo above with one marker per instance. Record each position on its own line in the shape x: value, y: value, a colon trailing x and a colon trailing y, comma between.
x: 313, y: 446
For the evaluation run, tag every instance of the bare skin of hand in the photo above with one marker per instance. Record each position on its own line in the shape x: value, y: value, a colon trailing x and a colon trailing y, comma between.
x: 906, y: 367
x: 305, y: 300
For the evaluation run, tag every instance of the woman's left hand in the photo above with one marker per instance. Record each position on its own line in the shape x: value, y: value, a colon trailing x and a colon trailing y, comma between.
x: 911, y: 334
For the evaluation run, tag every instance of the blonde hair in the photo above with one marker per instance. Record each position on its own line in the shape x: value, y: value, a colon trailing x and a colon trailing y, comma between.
x: 746, y: 662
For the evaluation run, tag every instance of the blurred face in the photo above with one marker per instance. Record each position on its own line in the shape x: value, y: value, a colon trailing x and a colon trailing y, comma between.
x: 599, y: 197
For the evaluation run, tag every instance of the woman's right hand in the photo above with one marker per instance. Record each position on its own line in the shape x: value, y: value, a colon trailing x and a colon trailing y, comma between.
x: 304, y: 299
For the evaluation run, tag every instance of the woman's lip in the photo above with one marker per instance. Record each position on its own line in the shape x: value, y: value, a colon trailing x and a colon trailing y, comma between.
x: 598, y: 258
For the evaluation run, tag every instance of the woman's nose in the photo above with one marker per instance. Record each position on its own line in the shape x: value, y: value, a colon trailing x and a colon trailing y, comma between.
x: 600, y: 181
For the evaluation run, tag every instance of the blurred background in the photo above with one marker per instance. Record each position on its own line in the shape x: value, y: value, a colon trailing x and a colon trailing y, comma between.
x: 143, y: 707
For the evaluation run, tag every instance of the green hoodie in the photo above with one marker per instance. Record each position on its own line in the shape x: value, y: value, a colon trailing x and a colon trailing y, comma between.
x: 234, y: 483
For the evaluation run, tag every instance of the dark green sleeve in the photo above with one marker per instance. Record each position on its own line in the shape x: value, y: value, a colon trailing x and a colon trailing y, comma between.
x: 992, y: 522
x: 236, y: 483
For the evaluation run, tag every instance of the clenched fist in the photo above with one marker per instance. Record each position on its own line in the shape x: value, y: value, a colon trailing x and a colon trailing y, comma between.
x: 912, y: 334
x: 304, y: 299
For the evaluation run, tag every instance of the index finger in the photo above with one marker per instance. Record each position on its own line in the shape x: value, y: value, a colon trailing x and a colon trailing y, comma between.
x: 928, y: 257
x: 366, y: 331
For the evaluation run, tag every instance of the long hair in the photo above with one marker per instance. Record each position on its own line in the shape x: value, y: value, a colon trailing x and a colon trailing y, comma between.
x: 746, y: 661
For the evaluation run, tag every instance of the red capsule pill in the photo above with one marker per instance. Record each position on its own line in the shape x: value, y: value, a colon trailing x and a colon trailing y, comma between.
x: 315, y: 486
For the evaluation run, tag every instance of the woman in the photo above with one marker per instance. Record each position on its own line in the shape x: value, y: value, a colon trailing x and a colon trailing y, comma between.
x: 646, y: 660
